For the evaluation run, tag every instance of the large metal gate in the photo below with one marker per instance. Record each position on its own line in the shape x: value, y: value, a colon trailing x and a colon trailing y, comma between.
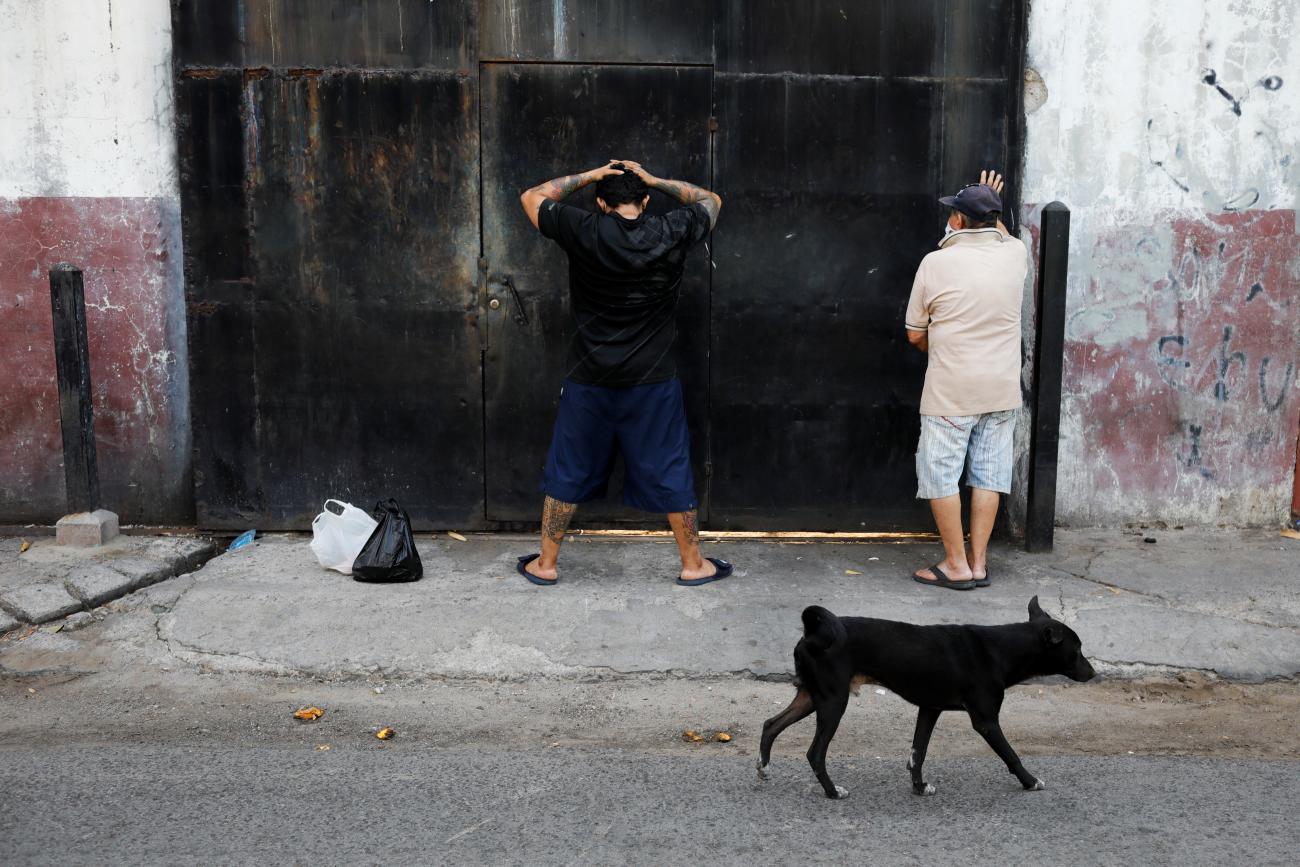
x: 370, y: 313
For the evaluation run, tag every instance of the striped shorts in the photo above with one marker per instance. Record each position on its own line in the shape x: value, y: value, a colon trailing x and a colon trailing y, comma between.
x: 981, y: 443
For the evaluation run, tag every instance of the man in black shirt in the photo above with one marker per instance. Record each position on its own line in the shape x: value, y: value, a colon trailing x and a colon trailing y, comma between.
x: 621, y: 392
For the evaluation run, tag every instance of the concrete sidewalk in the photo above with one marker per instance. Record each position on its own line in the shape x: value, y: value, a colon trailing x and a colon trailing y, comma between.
x: 43, y: 581
x: 1218, y: 601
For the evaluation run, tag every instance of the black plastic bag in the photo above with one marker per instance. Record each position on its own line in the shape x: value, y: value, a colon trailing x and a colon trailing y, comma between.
x: 389, y: 554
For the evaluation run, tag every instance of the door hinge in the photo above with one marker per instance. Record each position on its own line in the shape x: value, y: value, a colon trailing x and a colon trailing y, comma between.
x: 708, y: 468
x: 482, y: 263
x: 713, y: 124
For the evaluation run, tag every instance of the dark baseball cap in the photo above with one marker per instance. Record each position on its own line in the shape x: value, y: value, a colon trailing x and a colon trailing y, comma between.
x: 976, y: 201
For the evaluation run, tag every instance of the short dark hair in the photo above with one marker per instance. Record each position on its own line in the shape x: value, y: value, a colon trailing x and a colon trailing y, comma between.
x: 627, y: 188
x: 989, y: 221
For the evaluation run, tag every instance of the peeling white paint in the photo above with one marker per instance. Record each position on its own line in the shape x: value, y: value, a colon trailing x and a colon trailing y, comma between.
x: 86, y: 103
x: 1161, y: 124
x: 1126, y: 90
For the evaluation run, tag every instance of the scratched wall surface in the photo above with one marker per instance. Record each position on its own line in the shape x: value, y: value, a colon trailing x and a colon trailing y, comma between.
x: 838, y: 125
x: 828, y: 128
x: 88, y: 176
x: 1170, y: 129
x: 329, y: 155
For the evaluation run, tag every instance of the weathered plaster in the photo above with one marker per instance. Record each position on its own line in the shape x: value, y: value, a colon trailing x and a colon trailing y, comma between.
x: 86, y: 106
x: 1170, y: 129
x: 88, y: 176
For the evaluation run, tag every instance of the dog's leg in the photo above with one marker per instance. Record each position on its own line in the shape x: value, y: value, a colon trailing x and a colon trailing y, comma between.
x: 798, y: 709
x: 829, y: 713
x: 926, y: 717
x: 987, y: 726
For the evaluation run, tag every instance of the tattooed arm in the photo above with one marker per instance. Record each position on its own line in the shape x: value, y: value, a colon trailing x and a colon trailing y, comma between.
x: 682, y: 191
x: 557, y: 188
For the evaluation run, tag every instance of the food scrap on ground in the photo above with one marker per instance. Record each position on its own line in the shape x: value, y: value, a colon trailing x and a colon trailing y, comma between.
x: 308, y: 714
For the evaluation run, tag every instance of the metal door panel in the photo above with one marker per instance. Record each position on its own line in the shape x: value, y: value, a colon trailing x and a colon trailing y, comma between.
x: 359, y: 314
x: 540, y: 121
x: 831, y: 37
x: 824, y: 226
x: 598, y: 31
x: 894, y: 38
x: 218, y: 297
x: 378, y: 34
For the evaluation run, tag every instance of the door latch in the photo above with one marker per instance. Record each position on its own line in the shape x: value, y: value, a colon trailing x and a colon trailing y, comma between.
x: 521, y: 316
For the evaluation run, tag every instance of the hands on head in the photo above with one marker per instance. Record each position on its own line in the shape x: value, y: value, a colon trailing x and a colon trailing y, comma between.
x: 606, y: 170
x: 637, y: 169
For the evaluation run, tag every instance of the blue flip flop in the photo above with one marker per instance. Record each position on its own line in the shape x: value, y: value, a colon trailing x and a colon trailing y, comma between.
x: 540, y: 582
x: 724, y: 570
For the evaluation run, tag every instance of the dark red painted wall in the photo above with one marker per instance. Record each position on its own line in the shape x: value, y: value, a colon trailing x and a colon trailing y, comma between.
x: 129, y: 251
x: 1179, y: 398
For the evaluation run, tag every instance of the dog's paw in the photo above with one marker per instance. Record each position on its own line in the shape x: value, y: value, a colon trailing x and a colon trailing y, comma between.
x: 841, y: 793
x: 762, y: 771
x: 1038, y: 786
x: 923, y: 789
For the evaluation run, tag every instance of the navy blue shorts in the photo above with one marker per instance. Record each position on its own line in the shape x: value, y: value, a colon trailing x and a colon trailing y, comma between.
x: 646, y: 423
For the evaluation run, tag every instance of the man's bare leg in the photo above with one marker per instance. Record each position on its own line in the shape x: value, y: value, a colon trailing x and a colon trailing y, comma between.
x: 686, y: 529
x: 947, y: 515
x: 983, y: 512
x: 556, y: 516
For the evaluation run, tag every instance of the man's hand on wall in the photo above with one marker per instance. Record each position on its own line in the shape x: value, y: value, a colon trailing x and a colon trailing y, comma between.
x: 990, y: 178
x: 994, y: 180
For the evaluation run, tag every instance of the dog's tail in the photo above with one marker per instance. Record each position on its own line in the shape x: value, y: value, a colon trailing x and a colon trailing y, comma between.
x: 821, y: 629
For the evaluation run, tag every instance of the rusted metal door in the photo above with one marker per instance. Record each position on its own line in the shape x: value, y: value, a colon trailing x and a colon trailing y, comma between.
x: 330, y: 195
x: 371, y: 314
x: 540, y: 121
x: 839, y: 125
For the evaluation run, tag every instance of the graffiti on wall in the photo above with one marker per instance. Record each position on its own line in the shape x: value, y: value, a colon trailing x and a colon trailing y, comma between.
x: 1182, y: 354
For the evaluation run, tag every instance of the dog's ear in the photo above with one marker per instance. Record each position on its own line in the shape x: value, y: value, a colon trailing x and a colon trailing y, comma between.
x: 1053, y: 633
x: 1036, y: 612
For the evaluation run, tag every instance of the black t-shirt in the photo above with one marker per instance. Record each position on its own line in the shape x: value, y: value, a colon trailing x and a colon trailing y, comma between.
x: 624, y: 277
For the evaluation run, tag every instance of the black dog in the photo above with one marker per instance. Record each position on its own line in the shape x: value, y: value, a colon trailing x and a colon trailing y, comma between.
x: 936, y: 668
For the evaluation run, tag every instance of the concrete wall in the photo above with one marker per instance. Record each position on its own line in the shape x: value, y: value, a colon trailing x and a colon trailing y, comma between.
x: 88, y: 176
x: 1170, y: 129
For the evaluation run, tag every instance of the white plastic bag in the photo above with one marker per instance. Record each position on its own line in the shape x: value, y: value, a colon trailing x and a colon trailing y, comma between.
x: 338, y: 533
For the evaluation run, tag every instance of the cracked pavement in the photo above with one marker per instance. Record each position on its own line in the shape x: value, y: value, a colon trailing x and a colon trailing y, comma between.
x: 1220, y: 602
x: 43, y: 581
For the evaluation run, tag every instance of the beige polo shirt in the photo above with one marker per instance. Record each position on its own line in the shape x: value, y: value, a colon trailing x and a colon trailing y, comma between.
x: 967, y: 296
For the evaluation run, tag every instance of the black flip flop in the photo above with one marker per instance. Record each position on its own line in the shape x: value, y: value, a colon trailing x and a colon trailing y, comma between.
x: 942, y: 580
x: 540, y: 582
x: 724, y: 570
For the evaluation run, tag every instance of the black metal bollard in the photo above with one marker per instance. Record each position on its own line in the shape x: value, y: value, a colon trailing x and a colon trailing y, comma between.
x: 72, y: 361
x: 1049, y: 359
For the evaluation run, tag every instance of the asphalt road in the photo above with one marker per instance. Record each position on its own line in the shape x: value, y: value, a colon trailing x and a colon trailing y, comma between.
x: 405, y: 803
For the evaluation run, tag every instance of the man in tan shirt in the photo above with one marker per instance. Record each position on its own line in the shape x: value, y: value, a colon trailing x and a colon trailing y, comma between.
x: 965, y: 313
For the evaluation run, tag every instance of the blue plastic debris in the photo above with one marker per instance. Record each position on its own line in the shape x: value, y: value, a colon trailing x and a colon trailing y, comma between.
x: 242, y: 540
